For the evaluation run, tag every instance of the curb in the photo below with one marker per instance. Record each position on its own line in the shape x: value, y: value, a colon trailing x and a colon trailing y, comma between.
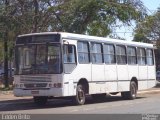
x: 6, y: 92
x: 149, y: 91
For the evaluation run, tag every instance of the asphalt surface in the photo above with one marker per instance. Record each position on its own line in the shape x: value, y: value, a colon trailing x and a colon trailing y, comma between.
x: 146, y: 102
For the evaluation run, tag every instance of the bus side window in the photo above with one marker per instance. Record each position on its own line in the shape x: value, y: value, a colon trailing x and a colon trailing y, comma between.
x: 121, y: 54
x: 141, y: 54
x: 150, y: 59
x: 96, y: 53
x: 83, y: 52
x: 131, y: 53
x: 69, y: 54
x: 69, y: 58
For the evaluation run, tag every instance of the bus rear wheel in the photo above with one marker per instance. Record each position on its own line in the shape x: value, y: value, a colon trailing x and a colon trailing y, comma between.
x: 80, y: 97
x: 132, y: 94
x: 40, y: 100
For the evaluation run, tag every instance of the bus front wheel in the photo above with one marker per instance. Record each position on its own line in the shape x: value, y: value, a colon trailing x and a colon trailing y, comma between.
x: 40, y: 100
x: 80, y: 97
x: 132, y: 94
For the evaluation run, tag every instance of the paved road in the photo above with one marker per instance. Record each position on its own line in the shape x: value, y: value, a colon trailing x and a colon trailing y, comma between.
x: 145, y: 103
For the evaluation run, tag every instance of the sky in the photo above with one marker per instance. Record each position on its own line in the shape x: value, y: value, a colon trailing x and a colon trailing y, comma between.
x: 127, y: 32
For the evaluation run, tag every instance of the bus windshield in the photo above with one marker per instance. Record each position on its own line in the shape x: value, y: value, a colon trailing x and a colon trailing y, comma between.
x: 38, y: 59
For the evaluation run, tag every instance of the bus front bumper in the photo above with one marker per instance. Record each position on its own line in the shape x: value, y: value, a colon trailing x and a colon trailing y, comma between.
x: 56, y: 92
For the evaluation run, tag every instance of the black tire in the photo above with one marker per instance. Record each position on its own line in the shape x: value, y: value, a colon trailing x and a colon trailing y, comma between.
x: 40, y: 100
x: 132, y: 94
x: 80, y: 97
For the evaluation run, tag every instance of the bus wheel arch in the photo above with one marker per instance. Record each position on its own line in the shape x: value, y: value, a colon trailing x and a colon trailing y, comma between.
x: 84, y: 83
x: 81, y: 90
x: 132, y: 93
x: 134, y: 79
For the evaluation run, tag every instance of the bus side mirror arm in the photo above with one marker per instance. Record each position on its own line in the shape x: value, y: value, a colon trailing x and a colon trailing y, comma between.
x: 65, y: 42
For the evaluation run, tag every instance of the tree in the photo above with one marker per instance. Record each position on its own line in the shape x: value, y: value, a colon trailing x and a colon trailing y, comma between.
x: 95, y: 17
x: 23, y: 16
x: 148, y: 30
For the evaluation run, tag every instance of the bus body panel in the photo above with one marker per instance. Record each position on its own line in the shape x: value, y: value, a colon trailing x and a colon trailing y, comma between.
x: 111, y: 78
x: 123, y: 85
x: 68, y: 85
x: 151, y: 69
x: 122, y: 71
x: 123, y: 79
x: 38, y: 85
x: 56, y: 92
x: 151, y: 77
x: 82, y: 71
x: 151, y: 83
x: 142, y: 73
x: 102, y: 78
x: 142, y: 84
x: 111, y: 86
x: 132, y: 71
x: 98, y: 73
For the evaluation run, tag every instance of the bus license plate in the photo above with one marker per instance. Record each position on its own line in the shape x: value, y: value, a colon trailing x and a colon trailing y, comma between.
x: 35, y: 92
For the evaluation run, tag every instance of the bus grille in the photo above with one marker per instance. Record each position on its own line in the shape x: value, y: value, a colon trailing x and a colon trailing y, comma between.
x: 35, y: 85
x: 35, y: 79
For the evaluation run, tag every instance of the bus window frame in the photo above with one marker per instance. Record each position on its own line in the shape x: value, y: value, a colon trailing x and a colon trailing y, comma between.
x: 114, y: 47
x: 65, y: 64
x: 150, y: 57
x: 47, y: 44
x: 89, y: 58
x: 132, y: 56
x: 142, y: 56
x: 126, y: 60
x: 96, y: 53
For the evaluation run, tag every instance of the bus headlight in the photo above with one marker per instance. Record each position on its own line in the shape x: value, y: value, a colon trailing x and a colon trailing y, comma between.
x: 50, y: 85
x: 18, y: 85
x: 57, y: 85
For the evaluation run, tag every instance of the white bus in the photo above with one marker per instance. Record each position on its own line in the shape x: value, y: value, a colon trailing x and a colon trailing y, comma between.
x: 61, y: 64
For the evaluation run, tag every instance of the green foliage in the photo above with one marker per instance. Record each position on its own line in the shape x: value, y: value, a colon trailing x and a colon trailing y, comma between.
x: 149, y: 29
x: 141, y: 38
x: 94, y: 17
x: 1, y: 53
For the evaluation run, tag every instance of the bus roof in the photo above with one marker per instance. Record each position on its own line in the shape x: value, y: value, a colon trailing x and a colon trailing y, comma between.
x: 81, y: 37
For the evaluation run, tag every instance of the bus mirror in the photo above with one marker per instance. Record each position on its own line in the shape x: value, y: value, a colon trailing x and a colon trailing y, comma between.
x: 65, y: 42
